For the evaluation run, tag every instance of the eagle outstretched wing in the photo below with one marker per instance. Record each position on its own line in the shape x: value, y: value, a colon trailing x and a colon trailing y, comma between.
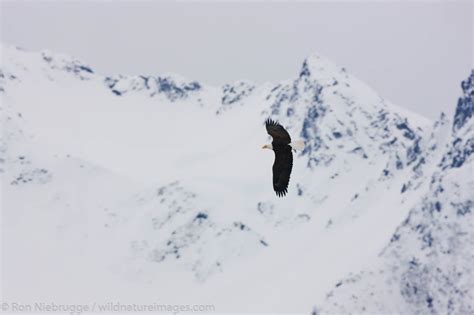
x: 283, y: 156
x: 282, y: 170
x: 278, y: 133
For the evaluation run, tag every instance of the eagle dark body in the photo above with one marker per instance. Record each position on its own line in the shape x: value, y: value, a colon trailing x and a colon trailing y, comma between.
x: 282, y: 168
x: 283, y: 157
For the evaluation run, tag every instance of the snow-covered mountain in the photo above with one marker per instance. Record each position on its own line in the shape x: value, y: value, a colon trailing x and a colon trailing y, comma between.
x: 427, y: 268
x: 154, y: 187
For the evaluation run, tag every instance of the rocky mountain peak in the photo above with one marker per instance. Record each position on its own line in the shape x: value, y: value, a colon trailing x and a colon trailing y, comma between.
x: 465, y: 106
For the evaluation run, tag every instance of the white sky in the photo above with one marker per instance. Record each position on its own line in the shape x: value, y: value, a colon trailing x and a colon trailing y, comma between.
x: 413, y: 53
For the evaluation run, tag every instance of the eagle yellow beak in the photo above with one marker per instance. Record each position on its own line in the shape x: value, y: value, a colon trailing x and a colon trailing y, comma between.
x: 264, y: 146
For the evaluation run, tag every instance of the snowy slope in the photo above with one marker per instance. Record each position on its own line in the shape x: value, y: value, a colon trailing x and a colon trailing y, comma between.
x: 427, y: 266
x: 155, y: 186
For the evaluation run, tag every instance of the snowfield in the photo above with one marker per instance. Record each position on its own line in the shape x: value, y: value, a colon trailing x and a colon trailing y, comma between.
x: 154, y: 188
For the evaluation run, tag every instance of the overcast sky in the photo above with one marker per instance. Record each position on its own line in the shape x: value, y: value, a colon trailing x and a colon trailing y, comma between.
x: 413, y: 53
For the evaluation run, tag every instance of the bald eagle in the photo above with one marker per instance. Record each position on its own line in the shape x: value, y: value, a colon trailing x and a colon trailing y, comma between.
x: 282, y: 146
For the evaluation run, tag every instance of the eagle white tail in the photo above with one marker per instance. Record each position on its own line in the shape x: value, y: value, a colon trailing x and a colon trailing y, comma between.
x: 297, y: 145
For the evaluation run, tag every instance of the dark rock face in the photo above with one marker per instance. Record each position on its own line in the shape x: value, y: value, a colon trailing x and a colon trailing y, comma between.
x: 67, y: 64
x: 232, y: 93
x: 459, y: 153
x: 171, y: 88
x: 465, y: 107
